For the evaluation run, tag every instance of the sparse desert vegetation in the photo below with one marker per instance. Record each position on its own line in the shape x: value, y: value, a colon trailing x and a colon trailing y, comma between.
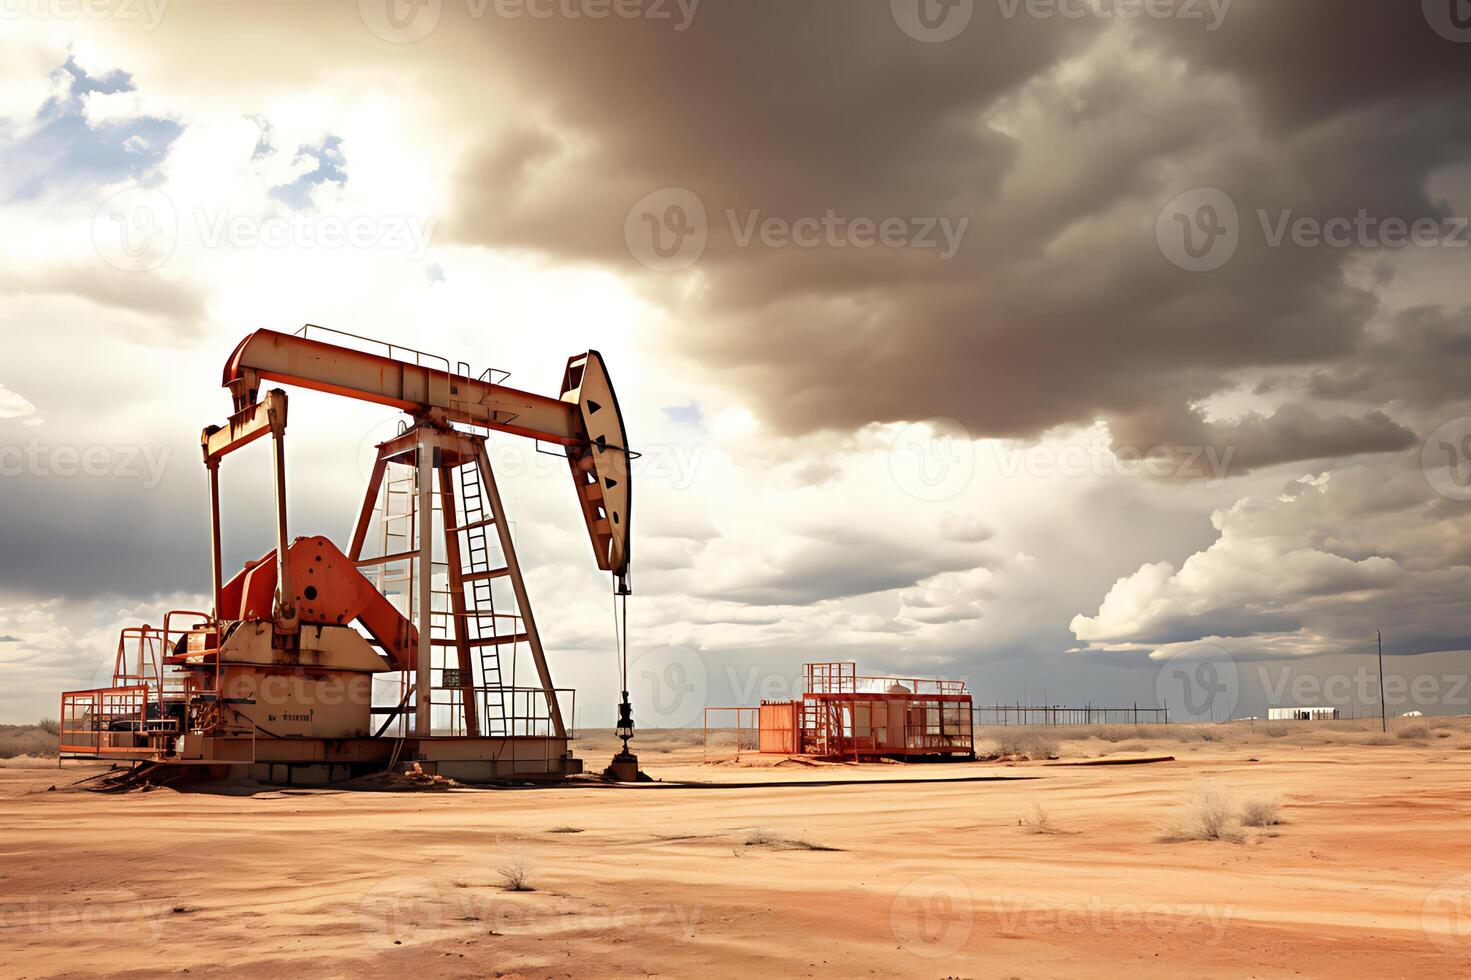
x: 1262, y: 812
x: 1039, y: 822
x: 1027, y: 743
x: 719, y: 868
x: 29, y: 740
x: 1209, y: 816
x: 515, y: 876
x: 761, y: 837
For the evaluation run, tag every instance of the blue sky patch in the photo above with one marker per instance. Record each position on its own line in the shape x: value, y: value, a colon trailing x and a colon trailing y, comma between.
x: 684, y: 414
x: 63, y: 151
x: 331, y: 168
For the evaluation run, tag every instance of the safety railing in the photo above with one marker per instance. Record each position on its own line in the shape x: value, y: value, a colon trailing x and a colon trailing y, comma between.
x: 731, y: 731
x: 527, y: 709
x: 112, y: 720
x: 392, y: 351
x: 843, y: 678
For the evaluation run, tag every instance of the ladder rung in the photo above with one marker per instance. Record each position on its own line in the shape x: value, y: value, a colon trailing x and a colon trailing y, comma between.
x: 472, y: 614
x: 487, y: 642
x: 387, y: 559
x: 483, y: 576
x: 470, y: 527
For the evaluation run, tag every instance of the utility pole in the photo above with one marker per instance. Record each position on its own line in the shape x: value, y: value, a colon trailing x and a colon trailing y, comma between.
x: 1383, y: 717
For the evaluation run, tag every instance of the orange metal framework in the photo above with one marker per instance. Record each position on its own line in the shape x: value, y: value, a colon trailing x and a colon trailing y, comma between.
x: 846, y: 715
x: 746, y: 729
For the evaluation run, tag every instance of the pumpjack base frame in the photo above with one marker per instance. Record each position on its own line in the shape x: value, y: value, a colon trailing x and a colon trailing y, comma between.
x: 318, y: 762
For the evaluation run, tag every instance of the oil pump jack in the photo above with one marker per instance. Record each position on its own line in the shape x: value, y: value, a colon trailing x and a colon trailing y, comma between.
x: 276, y: 684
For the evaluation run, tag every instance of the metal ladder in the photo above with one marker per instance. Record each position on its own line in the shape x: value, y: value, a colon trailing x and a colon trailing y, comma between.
x: 483, y: 622
x: 396, y: 536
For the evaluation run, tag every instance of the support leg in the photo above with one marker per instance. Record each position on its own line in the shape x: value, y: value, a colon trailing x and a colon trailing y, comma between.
x: 457, y: 609
x: 423, y: 683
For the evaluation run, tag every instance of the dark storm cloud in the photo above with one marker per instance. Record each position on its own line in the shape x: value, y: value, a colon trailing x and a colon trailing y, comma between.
x: 1293, y: 432
x: 1424, y: 362
x: 1058, y: 141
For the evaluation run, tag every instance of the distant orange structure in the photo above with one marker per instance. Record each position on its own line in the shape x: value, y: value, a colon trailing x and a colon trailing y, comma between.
x: 844, y: 714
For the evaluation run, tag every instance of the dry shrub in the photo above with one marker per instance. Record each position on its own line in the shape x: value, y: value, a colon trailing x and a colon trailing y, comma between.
x: 1266, y: 812
x: 564, y: 829
x: 1119, y: 733
x: 1277, y: 731
x: 516, y: 876
x: 1413, y: 731
x: 761, y: 837
x: 1209, y: 817
x: 1038, y: 822
x: 19, y: 740
x: 1033, y: 745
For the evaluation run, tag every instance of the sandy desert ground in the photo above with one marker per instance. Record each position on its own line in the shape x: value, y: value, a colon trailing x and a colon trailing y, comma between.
x: 1039, y: 870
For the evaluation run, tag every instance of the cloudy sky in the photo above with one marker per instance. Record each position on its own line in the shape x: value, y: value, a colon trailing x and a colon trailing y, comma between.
x: 1052, y: 344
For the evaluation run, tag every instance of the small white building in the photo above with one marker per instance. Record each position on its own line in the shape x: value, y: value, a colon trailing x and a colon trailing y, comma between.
x: 1302, y: 714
